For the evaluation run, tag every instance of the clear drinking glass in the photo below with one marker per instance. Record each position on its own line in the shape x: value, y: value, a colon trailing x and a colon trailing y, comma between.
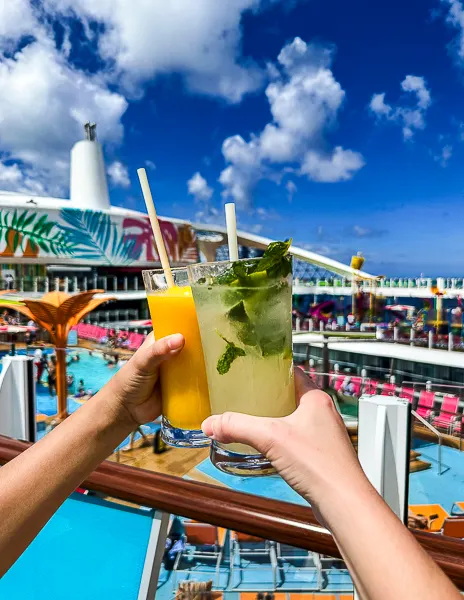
x: 246, y: 332
x: 184, y: 387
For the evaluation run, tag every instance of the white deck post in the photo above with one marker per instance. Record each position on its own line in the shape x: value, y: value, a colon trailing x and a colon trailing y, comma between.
x: 383, y: 448
x: 430, y: 339
x: 411, y: 336
x: 450, y: 342
x: 395, y: 334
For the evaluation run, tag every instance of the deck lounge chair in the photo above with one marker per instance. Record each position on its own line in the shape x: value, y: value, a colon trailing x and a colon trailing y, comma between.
x: 408, y: 394
x: 202, y: 544
x: 305, y: 562
x: 388, y: 389
x: 251, y: 548
x: 370, y: 387
x: 453, y: 527
x: 448, y: 413
x: 425, y: 405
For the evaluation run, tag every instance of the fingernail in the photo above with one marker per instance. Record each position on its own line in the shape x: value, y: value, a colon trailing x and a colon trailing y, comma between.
x: 207, y: 427
x: 175, y: 341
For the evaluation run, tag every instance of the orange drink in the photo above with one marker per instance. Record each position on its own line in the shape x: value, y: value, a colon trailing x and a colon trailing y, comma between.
x: 184, y: 386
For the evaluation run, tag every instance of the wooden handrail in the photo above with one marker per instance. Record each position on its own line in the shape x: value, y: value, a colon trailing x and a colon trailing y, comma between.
x: 271, y: 519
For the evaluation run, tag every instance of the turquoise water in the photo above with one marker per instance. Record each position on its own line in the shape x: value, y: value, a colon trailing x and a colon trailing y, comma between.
x: 89, y: 549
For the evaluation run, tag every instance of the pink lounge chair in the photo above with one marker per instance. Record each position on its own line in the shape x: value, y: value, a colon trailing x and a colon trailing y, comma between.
x: 370, y: 387
x: 388, y: 389
x: 425, y: 405
x: 407, y: 394
x: 448, y: 413
x: 339, y: 382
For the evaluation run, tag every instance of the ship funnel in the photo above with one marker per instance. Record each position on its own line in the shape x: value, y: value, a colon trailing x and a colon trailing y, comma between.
x: 88, y: 185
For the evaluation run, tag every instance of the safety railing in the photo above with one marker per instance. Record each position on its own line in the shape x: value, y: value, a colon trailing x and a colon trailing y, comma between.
x: 435, y: 431
x: 270, y: 519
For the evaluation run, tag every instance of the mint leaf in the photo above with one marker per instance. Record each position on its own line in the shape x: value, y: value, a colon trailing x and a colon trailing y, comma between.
x: 228, y: 356
x: 238, y: 313
x: 244, y: 327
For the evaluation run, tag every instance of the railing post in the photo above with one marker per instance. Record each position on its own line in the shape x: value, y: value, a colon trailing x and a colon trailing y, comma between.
x: 86, y: 284
x: 431, y: 338
x: 395, y: 334
x: 75, y: 284
x: 325, y: 362
x: 124, y: 283
x: 411, y: 336
x: 95, y: 281
x: 310, y: 325
x: 321, y: 325
x: 298, y: 324
x: 105, y: 282
x: 136, y: 284
x: 46, y: 285
x: 66, y: 285
x: 57, y: 284
x: 115, y: 284
x: 35, y: 284
x: 450, y: 342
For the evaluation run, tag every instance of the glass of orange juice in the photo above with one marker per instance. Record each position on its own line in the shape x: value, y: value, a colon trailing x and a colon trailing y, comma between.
x: 184, y: 386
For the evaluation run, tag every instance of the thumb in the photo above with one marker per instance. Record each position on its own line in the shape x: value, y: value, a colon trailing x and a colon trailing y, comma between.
x: 229, y: 427
x: 152, y: 353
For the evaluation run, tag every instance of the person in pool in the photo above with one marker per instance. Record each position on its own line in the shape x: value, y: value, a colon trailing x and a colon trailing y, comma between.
x: 310, y: 449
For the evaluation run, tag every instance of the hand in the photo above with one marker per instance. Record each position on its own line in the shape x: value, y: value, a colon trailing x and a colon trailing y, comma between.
x: 132, y: 392
x: 310, y: 448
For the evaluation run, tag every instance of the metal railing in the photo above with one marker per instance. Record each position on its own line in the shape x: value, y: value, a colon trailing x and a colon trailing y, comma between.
x: 438, y: 434
x: 254, y: 515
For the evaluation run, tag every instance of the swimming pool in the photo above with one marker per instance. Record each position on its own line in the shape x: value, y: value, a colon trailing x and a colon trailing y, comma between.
x: 89, y: 549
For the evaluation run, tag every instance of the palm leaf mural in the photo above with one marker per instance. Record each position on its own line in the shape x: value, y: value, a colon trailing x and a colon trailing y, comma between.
x: 29, y: 227
x: 95, y: 237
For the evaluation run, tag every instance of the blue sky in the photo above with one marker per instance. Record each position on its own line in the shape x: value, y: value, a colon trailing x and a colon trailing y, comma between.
x: 338, y: 124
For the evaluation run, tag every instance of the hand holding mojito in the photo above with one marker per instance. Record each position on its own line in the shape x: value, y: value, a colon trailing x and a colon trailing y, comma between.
x: 244, y: 314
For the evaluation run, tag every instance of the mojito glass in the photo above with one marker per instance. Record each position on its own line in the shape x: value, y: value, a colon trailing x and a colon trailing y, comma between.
x: 184, y: 387
x: 244, y: 311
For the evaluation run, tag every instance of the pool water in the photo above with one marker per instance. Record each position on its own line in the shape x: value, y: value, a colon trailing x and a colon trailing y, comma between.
x: 89, y: 549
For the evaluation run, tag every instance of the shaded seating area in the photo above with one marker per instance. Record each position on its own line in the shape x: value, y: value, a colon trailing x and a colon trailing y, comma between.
x: 237, y: 563
x: 201, y: 552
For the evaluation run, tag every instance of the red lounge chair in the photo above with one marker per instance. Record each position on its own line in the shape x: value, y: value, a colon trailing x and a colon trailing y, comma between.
x: 448, y: 413
x: 407, y: 394
x: 425, y: 405
x: 388, y: 389
x: 370, y: 387
x: 339, y: 382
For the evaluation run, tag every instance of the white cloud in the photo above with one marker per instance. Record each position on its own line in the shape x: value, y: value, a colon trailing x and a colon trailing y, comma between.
x: 198, y: 187
x: 341, y: 165
x: 455, y: 18
x: 445, y: 155
x: 291, y: 188
x: 16, y: 19
x: 410, y: 118
x: 304, y: 100
x: 150, y: 165
x: 43, y: 105
x: 200, y: 40
x: 118, y: 174
x: 378, y: 105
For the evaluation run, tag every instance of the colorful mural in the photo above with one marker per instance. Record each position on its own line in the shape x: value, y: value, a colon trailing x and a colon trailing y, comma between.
x: 89, y: 237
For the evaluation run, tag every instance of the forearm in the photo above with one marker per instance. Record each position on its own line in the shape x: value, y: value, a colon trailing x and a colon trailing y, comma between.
x: 37, y: 482
x: 385, y: 560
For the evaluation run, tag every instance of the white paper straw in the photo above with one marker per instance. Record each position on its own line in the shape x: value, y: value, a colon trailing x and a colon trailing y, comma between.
x: 231, y: 224
x: 155, y: 226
